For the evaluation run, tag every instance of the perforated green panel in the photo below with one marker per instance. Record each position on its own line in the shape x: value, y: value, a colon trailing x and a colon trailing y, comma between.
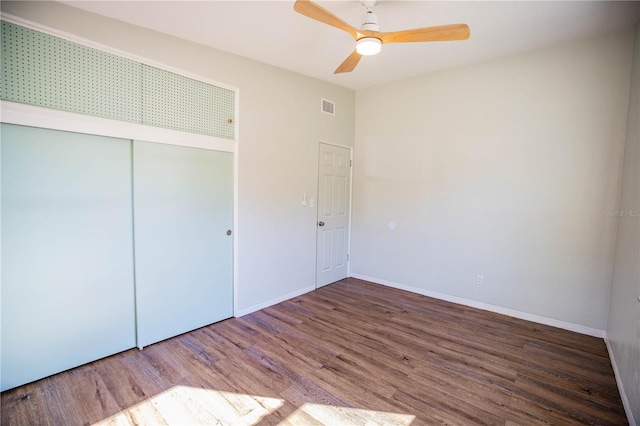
x: 40, y: 69
x: 43, y: 70
x: 177, y: 102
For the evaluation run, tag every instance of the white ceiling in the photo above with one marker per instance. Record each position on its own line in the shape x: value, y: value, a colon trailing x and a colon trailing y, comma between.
x: 271, y: 32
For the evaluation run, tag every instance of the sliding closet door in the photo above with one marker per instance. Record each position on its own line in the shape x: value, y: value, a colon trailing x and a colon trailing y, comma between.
x: 67, y: 251
x: 183, y: 210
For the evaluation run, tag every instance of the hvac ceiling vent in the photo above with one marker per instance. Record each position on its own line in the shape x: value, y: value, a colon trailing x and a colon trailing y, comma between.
x: 328, y: 107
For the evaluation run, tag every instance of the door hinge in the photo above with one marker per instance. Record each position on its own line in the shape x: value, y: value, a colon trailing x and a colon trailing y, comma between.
x: 350, y: 163
x: 347, y: 258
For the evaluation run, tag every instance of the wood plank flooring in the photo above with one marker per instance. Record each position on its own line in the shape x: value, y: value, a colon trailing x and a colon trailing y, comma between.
x: 350, y: 353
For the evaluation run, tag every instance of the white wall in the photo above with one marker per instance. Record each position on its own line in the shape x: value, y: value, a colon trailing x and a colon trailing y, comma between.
x: 280, y: 128
x: 504, y: 169
x: 623, y: 328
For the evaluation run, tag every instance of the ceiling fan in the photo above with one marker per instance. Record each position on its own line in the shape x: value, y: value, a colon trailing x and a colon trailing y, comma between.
x: 369, y: 39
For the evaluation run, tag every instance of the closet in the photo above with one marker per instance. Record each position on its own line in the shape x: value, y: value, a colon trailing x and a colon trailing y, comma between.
x: 107, y: 244
x: 109, y: 239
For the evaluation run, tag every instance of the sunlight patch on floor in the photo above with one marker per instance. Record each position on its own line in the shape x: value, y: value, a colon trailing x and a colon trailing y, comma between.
x: 186, y: 405
x: 330, y: 415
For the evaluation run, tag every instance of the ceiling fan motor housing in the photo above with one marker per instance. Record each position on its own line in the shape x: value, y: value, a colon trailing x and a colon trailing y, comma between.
x: 370, y: 21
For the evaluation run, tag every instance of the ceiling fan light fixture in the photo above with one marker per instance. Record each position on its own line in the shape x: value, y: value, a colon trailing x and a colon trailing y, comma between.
x: 367, y: 46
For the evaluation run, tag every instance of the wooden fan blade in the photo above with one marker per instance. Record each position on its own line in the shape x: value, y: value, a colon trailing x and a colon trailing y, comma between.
x: 439, y: 33
x: 319, y: 13
x: 349, y: 64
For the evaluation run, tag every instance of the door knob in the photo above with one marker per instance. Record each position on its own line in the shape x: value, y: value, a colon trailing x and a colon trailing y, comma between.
x: 320, y: 223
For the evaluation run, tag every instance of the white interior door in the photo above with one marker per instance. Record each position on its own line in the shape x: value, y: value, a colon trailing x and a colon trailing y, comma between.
x: 183, y: 214
x: 334, y: 193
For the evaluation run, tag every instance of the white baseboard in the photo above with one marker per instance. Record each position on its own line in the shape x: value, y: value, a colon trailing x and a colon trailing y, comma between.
x: 623, y: 395
x: 487, y: 307
x: 275, y: 300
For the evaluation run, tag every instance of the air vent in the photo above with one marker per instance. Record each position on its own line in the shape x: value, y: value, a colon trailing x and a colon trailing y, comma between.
x: 328, y: 107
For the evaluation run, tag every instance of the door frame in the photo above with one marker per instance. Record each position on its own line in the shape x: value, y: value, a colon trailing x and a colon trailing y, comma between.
x: 350, y: 148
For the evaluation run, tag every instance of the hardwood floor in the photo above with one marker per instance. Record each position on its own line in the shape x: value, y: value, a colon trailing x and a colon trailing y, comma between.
x: 350, y: 353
